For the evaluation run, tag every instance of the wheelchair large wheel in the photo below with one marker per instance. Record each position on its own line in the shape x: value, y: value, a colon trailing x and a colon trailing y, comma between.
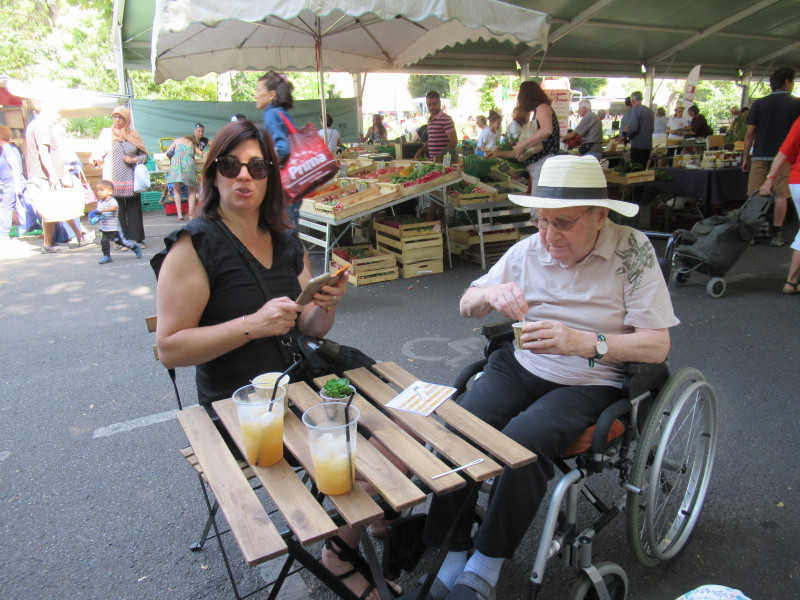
x: 672, y: 468
x: 613, y: 576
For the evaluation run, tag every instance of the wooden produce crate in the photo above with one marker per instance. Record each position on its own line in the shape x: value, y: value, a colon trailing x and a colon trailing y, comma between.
x: 417, y: 269
x: 375, y: 260
x: 412, y: 249
x: 416, y: 190
x: 376, y: 276
x: 485, y: 194
x: 390, y: 227
x: 628, y: 178
x: 348, y: 205
x: 468, y: 236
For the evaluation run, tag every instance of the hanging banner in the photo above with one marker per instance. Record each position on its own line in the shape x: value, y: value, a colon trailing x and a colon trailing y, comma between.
x: 691, y: 85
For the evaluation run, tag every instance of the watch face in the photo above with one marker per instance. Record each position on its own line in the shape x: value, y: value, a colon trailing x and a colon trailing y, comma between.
x: 602, y: 347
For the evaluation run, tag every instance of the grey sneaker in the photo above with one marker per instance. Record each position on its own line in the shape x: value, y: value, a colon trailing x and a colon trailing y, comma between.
x: 777, y: 240
x: 54, y: 249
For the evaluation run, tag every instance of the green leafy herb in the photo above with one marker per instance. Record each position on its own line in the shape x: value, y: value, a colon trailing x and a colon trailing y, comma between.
x: 337, y: 388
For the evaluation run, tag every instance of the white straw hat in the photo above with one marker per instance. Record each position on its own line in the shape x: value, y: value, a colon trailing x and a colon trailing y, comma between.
x: 569, y: 180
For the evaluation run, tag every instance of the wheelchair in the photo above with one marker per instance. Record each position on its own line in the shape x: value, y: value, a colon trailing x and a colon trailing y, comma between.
x: 661, y: 439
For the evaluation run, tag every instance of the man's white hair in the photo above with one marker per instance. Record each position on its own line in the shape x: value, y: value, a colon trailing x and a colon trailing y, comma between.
x: 585, y: 104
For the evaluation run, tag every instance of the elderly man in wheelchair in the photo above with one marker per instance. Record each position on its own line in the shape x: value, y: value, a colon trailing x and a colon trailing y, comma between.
x: 592, y: 299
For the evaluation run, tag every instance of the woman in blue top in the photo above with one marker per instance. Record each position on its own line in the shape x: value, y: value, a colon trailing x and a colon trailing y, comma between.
x: 274, y: 97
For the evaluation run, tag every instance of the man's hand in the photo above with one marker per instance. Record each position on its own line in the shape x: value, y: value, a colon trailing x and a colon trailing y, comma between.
x: 553, y: 337
x: 745, y: 163
x: 508, y: 299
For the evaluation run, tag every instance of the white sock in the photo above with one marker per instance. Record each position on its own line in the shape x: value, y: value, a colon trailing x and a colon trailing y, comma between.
x: 452, y: 567
x: 485, y: 567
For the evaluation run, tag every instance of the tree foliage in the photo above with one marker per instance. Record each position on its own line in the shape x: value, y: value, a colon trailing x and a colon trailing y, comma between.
x: 419, y: 85
x: 590, y: 86
x: 487, y: 92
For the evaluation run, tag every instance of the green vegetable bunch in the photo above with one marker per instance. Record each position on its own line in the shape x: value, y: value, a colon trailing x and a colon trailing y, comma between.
x: 337, y: 388
x: 418, y: 172
x: 629, y: 167
x: 508, y: 143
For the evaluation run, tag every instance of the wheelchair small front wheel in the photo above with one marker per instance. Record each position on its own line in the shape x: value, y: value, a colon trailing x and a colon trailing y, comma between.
x: 681, y: 276
x: 613, y: 576
x: 672, y: 468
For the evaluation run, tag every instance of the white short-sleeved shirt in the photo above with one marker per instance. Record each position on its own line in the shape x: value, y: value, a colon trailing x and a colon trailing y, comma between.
x: 487, y: 139
x: 616, y: 288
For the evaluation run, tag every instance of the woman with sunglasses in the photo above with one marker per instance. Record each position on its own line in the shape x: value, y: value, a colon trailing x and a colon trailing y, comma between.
x: 213, y: 312
x: 227, y: 283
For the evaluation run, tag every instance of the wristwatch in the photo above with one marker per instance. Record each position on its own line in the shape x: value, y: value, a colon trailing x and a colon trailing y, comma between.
x: 601, y: 348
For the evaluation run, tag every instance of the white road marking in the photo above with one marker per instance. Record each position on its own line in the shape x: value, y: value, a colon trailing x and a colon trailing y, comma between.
x: 133, y: 424
x: 4, y: 455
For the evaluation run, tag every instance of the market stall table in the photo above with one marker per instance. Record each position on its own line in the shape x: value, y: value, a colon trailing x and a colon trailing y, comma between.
x: 478, y: 444
x: 713, y: 187
x: 324, y: 223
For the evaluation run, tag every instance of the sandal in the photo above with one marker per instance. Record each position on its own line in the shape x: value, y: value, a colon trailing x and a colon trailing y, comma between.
x: 795, y: 288
x: 350, y: 555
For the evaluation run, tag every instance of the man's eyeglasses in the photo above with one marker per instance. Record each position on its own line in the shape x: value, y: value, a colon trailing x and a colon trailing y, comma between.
x: 560, y: 224
x: 229, y: 166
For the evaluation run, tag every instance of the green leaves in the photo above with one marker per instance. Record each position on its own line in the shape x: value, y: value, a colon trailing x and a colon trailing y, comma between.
x: 337, y: 388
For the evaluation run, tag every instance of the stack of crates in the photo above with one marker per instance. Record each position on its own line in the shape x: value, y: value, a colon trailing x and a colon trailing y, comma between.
x: 151, y: 201
x: 417, y: 246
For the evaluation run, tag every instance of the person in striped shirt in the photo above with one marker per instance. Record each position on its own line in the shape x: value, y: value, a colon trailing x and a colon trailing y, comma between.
x: 441, y: 129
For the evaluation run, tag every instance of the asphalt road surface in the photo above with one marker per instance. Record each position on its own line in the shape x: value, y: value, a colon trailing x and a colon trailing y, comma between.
x: 96, y: 502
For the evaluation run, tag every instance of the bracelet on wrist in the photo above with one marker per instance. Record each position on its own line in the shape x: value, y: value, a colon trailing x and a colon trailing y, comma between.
x: 246, y: 332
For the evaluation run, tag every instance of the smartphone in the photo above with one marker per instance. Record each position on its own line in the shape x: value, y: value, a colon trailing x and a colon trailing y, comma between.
x: 315, y: 285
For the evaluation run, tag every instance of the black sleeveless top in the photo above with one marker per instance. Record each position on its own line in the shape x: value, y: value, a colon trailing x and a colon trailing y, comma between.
x: 235, y: 292
x: 552, y: 143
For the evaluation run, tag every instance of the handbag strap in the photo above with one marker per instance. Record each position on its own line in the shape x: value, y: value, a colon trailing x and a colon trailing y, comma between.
x: 292, y: 129
x: 248, y: 258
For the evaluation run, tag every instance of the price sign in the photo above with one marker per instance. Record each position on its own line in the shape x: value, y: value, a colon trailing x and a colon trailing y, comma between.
x: 447, y: 159
x: 381, y: 164
x: 362, y: 186
x: 343, y: 171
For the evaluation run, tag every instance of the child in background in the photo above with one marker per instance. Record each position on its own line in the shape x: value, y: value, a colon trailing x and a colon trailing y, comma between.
x: 109, y: 223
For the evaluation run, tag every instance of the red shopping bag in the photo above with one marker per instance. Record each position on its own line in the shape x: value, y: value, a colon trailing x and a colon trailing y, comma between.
x: 310, y: 163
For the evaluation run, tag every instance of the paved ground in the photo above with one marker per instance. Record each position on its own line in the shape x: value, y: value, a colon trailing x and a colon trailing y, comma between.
x: 96, y: 501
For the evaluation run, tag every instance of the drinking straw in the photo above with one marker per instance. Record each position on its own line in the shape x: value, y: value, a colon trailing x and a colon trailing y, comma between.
x: 277, y: 383
x: 347, y: 429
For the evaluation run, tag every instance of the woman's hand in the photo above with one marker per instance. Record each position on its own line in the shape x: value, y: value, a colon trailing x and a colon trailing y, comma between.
x: 330, y: 295
x: 276, y: 317
x: 553, y: 337
x: 131, y: 160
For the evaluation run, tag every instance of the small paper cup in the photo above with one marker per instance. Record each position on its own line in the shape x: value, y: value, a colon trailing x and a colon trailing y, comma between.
x: 518, y: 333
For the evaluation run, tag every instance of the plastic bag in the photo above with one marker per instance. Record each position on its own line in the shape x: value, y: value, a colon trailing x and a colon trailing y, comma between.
x: 89, y: 196
x: 310, y: 163
x: 141, y: 179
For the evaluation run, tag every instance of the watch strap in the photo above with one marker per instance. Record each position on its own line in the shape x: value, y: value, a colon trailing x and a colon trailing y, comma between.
x: 597, y: 356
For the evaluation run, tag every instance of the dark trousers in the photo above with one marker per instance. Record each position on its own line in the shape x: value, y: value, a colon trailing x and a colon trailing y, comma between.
x: 114, y: 236
x: 640, y: 156
x: 131, y: 220
x: 544, y: 417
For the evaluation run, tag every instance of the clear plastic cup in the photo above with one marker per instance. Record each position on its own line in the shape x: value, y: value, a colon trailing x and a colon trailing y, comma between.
x: 261, y: 420
x: 332, y: 438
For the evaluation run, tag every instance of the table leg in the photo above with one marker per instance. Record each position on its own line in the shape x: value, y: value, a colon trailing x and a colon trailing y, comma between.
x: 374, y: 563
x: 446, y: 234
x: 422, y: 592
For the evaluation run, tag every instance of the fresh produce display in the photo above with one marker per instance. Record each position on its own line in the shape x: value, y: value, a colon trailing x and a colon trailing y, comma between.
x: 358, y: 171
x: 381, y: 173
x: 422, y: 174
x: 397, y: 220
x: 337, y: 388
x: 326, y: 189
x: 462, y: 187
x: 508, y: 143
x: 352, y: 254
x: 629, y: 167
x: 662, y: 176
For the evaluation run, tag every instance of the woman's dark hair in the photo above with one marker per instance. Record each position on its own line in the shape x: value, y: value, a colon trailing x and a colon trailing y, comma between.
x: 381, y: 128
x: 329, y: 120
x: 280, y: 84
x: 693, y: 109
x: 531, y: 95
x: 271, y: 215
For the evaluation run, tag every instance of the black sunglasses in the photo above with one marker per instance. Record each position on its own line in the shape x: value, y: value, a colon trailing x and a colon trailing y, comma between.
x: 229, y: 166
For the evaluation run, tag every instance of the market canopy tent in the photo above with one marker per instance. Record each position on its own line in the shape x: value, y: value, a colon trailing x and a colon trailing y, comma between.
x: 195, y: 37
x: 600, y: 38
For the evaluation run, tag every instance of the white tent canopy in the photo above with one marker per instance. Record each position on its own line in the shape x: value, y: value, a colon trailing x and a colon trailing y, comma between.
x: 195, y: 37
x: 73, y: 103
